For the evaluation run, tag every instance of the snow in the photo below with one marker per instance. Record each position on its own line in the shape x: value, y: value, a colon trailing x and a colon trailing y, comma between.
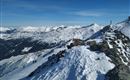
x: 12, y: 59
x: 124, y: 27
x: 23, y: 66
x: 20, y: 67
x: 126, y: 30
x: 79, y: 63
x: 30, y: 58
x: 26, y: 49
x: 110, y: 46
x: 54, y: 34
x: 97, y: 40
x: 44, y: 28
x: 123, y: 51
x: 34, y: 29
x: 121, y: 46
x: 4, y: 29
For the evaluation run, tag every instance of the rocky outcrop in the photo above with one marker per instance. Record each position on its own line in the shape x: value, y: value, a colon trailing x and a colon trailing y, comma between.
x: 76, y: 42
x: 120, y: 72
x: 116, y: 46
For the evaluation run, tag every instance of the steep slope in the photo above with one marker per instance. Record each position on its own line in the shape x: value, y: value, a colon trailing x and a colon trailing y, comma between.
x: 116, y: 45
x: 122, y: 44
x: 78, y: 63
x: 124, y: 27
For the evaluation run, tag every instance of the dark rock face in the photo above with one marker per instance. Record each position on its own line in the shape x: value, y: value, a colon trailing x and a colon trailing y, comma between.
x: 116, y: 54
x: 112, y: 53
x: 120, y: 72
x: 13, y: 47
x: 102, y: 46
x: 93, y: 46
x: 78, y: 42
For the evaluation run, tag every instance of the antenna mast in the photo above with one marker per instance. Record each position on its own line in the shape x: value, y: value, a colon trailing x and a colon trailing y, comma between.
x: 110, y: 22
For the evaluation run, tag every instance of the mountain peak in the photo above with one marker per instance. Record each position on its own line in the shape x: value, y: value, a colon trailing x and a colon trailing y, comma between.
x: 94, y: 24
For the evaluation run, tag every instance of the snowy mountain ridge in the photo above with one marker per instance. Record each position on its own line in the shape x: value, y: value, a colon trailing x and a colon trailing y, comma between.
x: 83, y: 53
x: 54, y: 34
x: 42, y: 28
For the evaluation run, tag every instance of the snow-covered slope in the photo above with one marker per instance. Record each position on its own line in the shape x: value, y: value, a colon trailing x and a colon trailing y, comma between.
x: 124, y: 27
x: 44, y: 28
x: 54, y: 34
x: 78, y: 63
x: 4, y: 29
x: 90, y: 52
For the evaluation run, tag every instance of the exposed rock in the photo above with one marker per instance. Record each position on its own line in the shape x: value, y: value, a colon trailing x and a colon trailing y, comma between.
x: 70, y: 46
x: 91, y: 43
x: 56, y: 57
x: 112, y: 53
x: 102, y: 46
x: 93, y: 46
x: 120, y: 72
x: 76, y: 42
x: 119, y: 43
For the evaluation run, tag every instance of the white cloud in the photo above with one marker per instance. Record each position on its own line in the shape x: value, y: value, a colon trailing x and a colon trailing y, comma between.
x: 87, y: 13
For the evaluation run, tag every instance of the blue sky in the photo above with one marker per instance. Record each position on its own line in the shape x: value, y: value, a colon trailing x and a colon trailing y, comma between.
x: 57, y: 12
